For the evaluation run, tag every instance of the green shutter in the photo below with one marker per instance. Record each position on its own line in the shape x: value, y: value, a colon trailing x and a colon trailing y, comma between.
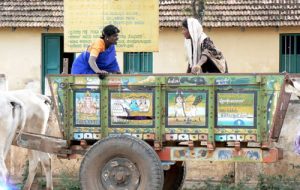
x: 51, y: 55
x: 290, y: 53
x: 138, y: 62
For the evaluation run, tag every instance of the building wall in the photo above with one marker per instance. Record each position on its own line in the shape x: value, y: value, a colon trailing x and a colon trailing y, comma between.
x: 171, y: 55
x: 21, y: 55
x: 252, y: 50
x: 245, y: 50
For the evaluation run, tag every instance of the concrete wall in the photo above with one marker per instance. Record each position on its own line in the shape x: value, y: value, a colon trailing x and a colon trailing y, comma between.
x: 245, y: 50
x: 252, y: 50
x: 3, y: 82
x: 21, y: 55
x: 171, y: 55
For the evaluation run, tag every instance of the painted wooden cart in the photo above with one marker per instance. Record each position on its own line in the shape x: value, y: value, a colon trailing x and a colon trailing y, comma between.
x: 136, y: 131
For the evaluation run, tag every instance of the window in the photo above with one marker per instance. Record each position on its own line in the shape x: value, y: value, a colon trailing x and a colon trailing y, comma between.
x: 138, y: 62
x: 290, y: 53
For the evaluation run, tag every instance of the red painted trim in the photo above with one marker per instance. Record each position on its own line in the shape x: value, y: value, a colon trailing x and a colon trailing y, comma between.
x: 164, y: 154
x: 273, y: 155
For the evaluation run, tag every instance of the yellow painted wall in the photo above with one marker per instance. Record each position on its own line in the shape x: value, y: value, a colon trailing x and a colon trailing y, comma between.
x: 253, y: 50
x: 171, y: 55
x: 21, y: 55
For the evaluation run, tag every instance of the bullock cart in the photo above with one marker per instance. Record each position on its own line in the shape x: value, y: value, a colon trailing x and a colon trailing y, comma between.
x: 136, y: 131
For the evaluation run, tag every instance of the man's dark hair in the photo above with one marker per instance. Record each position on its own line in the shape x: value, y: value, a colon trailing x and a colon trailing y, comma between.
x: 109, y: 30
x: 185, y: 24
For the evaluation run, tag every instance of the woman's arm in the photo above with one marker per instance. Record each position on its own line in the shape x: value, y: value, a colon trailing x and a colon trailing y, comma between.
x: 93, y: 65
x: 95, y: 49
x: 197, y: 68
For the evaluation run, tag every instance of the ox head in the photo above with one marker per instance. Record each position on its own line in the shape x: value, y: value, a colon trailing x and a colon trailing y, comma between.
x: 293, y: 86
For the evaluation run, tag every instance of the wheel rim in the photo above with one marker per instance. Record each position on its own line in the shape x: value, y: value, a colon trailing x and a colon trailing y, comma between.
x: 120, y: 173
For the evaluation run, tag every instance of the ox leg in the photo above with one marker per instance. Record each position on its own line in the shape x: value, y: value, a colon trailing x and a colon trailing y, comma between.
x: 33, y: 163
x: 46, y: 164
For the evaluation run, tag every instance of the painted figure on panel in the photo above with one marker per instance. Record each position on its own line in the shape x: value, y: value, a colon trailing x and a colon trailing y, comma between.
x: 179, y: 106
x: 225, y: 154
x: 187, y: 109
x: 87, y: 105
x: 144, y: 104
x: 131, y: 108
x: 134, y: 105
x: 253, y: 155
x: 87, y: 108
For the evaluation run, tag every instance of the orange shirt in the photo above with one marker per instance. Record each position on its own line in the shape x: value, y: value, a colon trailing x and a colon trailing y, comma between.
x: 97, y: 47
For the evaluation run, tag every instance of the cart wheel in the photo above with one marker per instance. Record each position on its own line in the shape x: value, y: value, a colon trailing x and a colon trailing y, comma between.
x: 174, y: 177
x: 121, y: 162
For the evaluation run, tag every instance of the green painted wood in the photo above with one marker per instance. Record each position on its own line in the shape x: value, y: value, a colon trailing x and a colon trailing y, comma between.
x: 261, y: 108
x: 104, y: 108
x: 289, y: 53
x: 51, y: 55
x: 163, y: 107
x: 211, y: 111
x: 266, y: 87
x: 158, y: 109
x: 70, y: 108
x: 138, y: 62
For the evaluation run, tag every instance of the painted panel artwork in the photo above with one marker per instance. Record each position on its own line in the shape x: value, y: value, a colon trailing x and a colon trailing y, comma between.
x: 236, y: 109
x: 131, y: 108
x: 186, y: 108
x: 220, y: 154
x: 87, y: 108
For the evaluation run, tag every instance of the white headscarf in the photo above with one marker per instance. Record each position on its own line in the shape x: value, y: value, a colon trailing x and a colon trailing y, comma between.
x: 197, y: 35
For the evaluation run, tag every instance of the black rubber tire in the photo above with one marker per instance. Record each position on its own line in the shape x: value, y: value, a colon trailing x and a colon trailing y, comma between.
x: 175, y: 176
x: 133, y: 149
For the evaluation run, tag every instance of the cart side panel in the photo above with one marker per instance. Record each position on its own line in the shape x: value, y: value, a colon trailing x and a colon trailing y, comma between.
x: 132, y: 106
x: 87, y: 110
x: 57, y: 85
x: 207, y: 111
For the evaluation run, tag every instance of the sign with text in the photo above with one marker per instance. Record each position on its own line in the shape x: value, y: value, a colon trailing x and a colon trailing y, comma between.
x: 137, y: 20
x: 236, y: 109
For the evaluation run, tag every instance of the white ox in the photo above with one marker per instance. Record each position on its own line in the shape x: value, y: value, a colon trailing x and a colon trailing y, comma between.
x: 35, y: 112
x: 37, y: 108
x: 12, y: 117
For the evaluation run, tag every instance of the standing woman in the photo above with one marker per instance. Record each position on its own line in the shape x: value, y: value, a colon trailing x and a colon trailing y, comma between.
x: 100, y: 56
x: 202, y: 55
